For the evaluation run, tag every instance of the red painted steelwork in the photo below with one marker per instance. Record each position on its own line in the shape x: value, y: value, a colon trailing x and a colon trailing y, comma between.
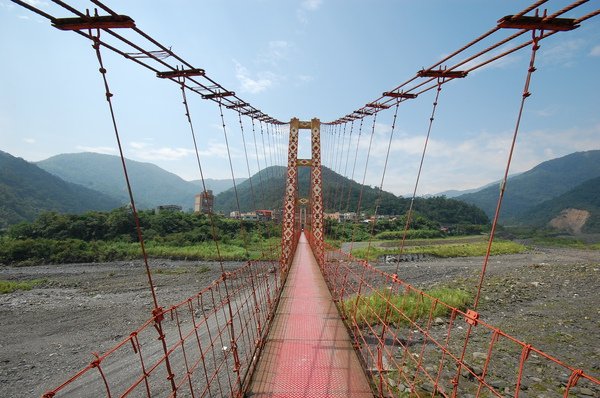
x: 316, y: 193
x: 411, y: 347
x: 308, y: 352
x: 289, y: 227
x: 199, y: 344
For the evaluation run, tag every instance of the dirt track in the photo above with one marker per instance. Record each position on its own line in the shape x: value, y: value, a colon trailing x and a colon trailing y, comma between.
x: 547, y: 297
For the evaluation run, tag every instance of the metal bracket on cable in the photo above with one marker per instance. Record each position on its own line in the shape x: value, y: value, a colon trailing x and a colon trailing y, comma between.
x: 238, y: 104
x: 377, y: 105
x: 442, y: 73
x: 472, y: 317
x: 402, y: 95
x: 540, y: 23
x: 180, y: 73
x: 364, y: 112
x: 94, y: 22
x: 218, y: 94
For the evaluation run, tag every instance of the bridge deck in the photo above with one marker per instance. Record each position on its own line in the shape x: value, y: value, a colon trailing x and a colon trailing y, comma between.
x: 308, y: 352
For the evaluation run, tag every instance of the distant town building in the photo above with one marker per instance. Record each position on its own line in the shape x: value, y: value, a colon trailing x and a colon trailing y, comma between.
x: 204, y: 202
x: 264, y: 215
x: 276, y: 216
x: 250, y: 216
x: 167, y: 208
x: 258, y: 215
x: 332, y: 216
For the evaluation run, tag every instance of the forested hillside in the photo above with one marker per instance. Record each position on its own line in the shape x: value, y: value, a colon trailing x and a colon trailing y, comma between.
x: 342, y: 194
x: 544, y: 182
x: 26, y: 191
x: 151, y: 185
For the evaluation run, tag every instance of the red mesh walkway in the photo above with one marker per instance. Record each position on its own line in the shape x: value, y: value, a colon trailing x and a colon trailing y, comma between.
x: 308, y: 352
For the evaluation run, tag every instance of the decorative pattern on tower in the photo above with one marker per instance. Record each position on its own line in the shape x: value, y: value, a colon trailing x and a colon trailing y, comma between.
x: 292, y: 222
x: 316, y: 193
x: 288, y: 233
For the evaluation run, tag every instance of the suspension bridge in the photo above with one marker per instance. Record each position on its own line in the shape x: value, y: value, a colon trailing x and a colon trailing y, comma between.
x: 316, y: 321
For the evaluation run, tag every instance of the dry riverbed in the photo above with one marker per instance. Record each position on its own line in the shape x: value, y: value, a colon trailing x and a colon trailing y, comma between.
x: 547, y: 297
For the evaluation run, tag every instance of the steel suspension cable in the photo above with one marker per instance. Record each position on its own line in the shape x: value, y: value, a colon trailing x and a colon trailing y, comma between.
x: 157, y: 311
x: 380, y: 346
x: 362, y: 186
x: 351, y: 180
x: 268, y: 230
x: 269, y: 143
x: 235, y: 190
x: 340, y: 156
x: 262, y: 137
x: 327, y: 159
x: 524, y: 97
x: 214, y: 233
x: 336, y: 156
x: 262, y: 187
x: 334, y: 133
x: 414, y: 194
x: 341, y: 196
x: 526, y: 93
x: 247, y: 160
x: 380, y: 193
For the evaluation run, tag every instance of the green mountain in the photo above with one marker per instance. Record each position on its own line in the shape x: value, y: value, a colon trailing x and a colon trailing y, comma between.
x: 26, y: 190
x: 152, y: 186
x: 546, y: 181
x: 343, y: 195
x: 585, y: 198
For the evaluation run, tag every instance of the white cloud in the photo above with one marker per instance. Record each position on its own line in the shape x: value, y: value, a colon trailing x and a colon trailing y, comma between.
x: 474, y: 161
x: 147, y: 152
x: 25, y: 17
x: 36, y: 3
x: 311, y: 5
x: 29, y: 140
x: 219, y: 150
x: 253, y: 85
x: 305, y: 7
x: 305, y: 78
x: 139, y: 145
x: 97, y: 149
x: 277, y: 51
x: 595, y: 52
x: 563, y: 53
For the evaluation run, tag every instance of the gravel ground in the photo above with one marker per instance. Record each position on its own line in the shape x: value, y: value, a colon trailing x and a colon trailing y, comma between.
x: 546, y: 297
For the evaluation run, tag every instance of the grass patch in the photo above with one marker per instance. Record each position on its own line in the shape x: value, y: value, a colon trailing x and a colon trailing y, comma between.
x: 445, y: 251
x: 27, y: 252
x: 410, y: 234
x: 411, y: 305
x: 11, y: 286
x: 565, y: 242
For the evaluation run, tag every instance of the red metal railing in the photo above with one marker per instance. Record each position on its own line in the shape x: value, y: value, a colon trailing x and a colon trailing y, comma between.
x: 202, y: 356
x: 410, y: 350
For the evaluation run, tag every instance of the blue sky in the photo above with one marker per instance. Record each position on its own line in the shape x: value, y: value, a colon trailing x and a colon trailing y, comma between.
x: 311, y: 58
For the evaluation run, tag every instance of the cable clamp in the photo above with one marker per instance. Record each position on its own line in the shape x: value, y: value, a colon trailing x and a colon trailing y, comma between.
x: 472, y: 317
x: 158, y: 314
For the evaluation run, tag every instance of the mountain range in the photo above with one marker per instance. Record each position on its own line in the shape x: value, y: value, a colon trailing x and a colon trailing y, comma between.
x: 89, y: 181
x: 341, y: 194
x: 26, y: 190
x: 528, y: 191
x: 104, y: 173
